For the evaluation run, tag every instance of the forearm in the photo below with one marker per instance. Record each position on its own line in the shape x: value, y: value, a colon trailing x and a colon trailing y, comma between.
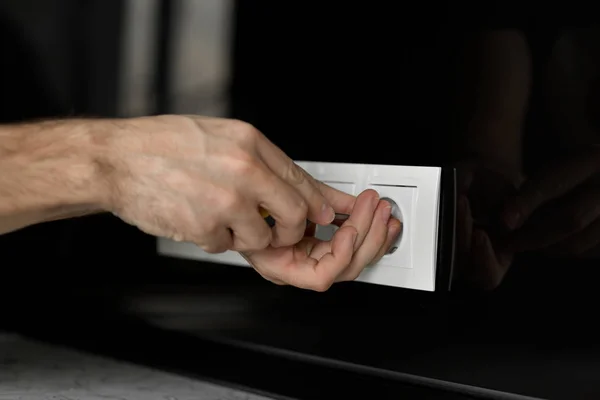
x: 50, y: 170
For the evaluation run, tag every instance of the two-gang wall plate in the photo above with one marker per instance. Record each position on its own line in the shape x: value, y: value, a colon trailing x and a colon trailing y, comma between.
x: 424, y: 200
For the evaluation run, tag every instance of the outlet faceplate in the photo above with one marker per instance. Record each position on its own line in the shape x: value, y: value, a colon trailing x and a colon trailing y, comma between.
x: 416, y: 191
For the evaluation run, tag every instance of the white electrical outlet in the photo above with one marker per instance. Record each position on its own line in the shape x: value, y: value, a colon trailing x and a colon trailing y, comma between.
x: 416, y: 193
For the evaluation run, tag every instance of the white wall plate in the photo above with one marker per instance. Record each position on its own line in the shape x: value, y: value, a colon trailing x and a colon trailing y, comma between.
x: 417, y: 191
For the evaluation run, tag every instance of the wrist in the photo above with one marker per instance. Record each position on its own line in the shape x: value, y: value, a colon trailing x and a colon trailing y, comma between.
x: 58, y: 165
x: 103, y: 147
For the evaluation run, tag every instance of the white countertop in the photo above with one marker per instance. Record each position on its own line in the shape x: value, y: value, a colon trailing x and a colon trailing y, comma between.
x: 32, y: 370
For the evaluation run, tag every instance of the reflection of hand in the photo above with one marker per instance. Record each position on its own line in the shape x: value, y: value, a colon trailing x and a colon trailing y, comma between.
x: 558, y: 209
x: 482, y: 258
x: 316, y: 264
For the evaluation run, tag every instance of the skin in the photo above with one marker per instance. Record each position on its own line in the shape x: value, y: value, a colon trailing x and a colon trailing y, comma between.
x: 195, y: 179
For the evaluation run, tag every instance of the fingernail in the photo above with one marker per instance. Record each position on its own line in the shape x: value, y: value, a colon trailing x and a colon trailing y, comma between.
x: 386, y: 213
x: 328, y: 213
x: 394, y: 230
x: 375, y: 200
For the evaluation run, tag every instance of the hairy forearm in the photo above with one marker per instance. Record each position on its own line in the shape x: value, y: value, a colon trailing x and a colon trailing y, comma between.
x: 50, y: 170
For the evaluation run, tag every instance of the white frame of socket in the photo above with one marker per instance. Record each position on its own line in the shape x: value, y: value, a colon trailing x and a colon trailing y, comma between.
x: 416, y: 192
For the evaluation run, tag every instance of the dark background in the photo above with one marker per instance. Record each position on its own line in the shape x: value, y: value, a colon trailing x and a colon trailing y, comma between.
x: 364, y: 83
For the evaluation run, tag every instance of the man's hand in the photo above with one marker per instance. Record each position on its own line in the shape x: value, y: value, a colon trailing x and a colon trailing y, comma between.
x: 315, y: 264
x: 203, y: 180
x: 558, y: 209
x: 195, y: 179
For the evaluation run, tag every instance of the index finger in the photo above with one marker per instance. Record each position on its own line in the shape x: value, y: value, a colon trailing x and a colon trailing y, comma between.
x: 319, y: 209
x: 342, y: 203
x: 547, y: 186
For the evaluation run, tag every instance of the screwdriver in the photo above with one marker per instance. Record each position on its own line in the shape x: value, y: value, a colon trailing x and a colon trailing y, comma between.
x: 271, y: 221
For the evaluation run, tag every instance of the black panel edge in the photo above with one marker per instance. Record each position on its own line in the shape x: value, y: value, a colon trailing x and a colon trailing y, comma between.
x: 243, y: 368
x: 446, y: 231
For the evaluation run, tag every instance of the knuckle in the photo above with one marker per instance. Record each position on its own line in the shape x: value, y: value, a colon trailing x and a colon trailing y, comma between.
x: 294, y: 174
x: 263, y: 241
x: 246, y: 133
x: 289, y: 239
x: 257, y: 243
x: 322, y: 285
x: 297, y: 214
x: 229, y: 202
x: 243, y: 164
x: 209, y: 227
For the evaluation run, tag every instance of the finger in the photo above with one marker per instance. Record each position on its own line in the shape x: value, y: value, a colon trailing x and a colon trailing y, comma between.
x: 308, y: 245
x: 362, y: 215
x: 372, y: 243
x: 553, y: 224
x: 218, y: 241
x: 394, y: 228
x: 582, y: 242
x: 342, y: 203
x: 376, y: 245
x: 319, y: 210
x: 546, y: 186
x: 488, y: 271
x: 308, y: 273
x: 250, y: 232
x: 287, y: 208
x: 264, y: 275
